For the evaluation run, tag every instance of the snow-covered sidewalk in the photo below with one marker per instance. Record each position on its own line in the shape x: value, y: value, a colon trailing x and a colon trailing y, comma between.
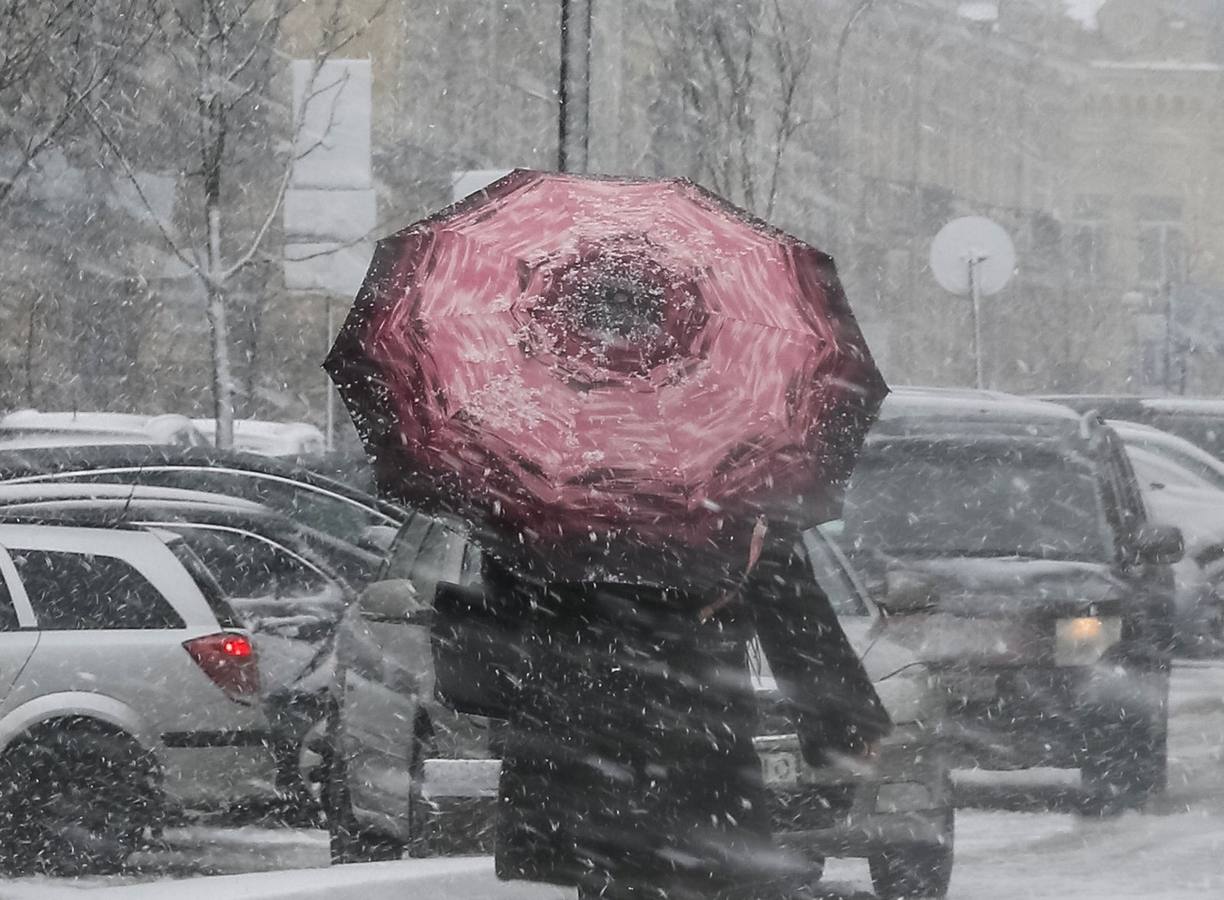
x: 465, y: 878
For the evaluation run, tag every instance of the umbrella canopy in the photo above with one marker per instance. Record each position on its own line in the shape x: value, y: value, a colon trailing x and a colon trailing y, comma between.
x: 577, y: 363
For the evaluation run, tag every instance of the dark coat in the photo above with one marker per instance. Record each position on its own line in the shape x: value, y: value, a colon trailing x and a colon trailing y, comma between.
x: 629, y: 756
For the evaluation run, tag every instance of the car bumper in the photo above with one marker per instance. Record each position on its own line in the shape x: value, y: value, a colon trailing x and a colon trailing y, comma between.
x: 1021, y: 717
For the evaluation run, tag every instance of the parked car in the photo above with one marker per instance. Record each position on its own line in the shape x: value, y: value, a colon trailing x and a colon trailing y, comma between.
x: 1027, y: 522
x: 286, y: 583
x: 405, y: 771
x: 288, y: 440
x: 30, y: 428
x: 1200, y: 421
x: 1171, y: 449
x: 322, y: 503
x: 127, y: 687
x: 1055, y: 588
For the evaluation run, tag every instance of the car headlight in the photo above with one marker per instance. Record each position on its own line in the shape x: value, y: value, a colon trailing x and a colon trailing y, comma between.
x: 1083, y: 640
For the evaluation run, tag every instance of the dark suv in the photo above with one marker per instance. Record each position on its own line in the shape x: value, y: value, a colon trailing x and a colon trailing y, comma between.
x: 1009, y: 538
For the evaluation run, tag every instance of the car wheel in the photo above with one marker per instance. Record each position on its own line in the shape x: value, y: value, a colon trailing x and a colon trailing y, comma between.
x: 1127, y: 763
x: 915, y: 870
x: 84, y: 799
x: 350, y: 843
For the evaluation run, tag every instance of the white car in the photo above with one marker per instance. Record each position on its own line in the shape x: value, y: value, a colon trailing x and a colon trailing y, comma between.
x: 406, y: 772
x: 1169, y: 449
x: 284, y: 439
x: 1183, y: 485
x: 30, y: 428
x: 127, y: 688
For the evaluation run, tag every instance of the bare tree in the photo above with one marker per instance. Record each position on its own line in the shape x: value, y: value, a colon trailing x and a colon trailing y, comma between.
x: 234, y: 142
x: 58, y: 57
x: 740, y: 70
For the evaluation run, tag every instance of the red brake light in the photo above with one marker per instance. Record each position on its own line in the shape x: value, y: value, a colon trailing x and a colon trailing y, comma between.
x: 229, y: 660
x: 236, y: 646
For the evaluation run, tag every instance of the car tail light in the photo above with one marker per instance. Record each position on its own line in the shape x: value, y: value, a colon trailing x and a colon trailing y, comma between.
x: 229, y: 660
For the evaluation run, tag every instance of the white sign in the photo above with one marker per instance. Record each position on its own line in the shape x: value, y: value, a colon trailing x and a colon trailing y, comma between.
x: 329, y: 215
x: 328, y: 268
x: 469, y: 181
x: 973, y: 252
x: 332, y: 103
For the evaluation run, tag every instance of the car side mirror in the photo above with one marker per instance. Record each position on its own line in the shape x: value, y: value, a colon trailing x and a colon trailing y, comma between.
x: 906, y: 591
x: 1159, y: 545
x: 377, y: 539
x: 392, y: 600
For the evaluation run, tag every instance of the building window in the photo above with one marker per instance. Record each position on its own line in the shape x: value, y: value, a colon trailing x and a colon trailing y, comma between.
x: 1161, y: 241
x: 1086, y: 243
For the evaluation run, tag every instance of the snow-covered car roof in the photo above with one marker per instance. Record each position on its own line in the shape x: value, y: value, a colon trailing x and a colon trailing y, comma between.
x: 270, y: 438
x: 33, y: 428
x: 55, y: 492
x: 938, y: 411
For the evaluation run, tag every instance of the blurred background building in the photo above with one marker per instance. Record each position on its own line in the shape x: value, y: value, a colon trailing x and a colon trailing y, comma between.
x: 1090, y: 130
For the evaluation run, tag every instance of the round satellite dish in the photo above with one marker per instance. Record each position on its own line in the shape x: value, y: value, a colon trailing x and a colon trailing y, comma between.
x: 973, y: 243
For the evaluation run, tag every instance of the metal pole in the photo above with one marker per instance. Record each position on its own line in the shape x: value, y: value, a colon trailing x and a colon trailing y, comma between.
x: 1168, y: 343
x: 563, y: 77
x: 975, y: 295
x: 574, y: 86
x: 330, y: 437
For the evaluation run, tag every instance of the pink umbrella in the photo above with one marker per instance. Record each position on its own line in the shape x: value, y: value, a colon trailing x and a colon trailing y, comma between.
x: 576, y: 363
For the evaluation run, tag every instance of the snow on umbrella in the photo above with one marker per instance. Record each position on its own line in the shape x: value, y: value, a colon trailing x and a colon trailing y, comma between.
x: 577, y: 363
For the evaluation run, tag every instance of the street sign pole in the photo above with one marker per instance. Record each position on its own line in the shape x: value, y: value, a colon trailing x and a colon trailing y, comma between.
x: 330, y: 409
x: 973, y: 257
x: 975, y: 295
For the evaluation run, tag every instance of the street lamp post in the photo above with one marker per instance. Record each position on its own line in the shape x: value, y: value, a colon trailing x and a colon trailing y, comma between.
x: 574, y: 86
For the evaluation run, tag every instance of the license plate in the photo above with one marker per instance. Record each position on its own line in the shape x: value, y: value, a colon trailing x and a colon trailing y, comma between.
x: 780, y: 768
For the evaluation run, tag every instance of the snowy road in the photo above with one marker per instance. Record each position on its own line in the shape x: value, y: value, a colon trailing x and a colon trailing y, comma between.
x: 1017, y: 840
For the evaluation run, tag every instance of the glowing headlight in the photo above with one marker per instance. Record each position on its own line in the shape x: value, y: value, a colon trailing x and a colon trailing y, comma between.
x: 1083, y: 641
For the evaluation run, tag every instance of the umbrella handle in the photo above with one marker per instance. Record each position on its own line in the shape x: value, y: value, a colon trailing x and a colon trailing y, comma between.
x: 755, y: 546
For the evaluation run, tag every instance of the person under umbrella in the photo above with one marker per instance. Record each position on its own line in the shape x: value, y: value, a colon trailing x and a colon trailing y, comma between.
x: 625, y: 386
x: 628, y: 767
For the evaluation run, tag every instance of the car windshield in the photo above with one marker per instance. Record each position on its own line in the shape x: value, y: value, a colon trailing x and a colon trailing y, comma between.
x: 963, y: 500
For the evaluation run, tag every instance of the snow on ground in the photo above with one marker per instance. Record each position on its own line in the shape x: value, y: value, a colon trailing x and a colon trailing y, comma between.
x: 1017, y: 839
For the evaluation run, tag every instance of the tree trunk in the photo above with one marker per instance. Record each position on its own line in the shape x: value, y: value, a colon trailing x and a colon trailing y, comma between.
x: 223, y: 381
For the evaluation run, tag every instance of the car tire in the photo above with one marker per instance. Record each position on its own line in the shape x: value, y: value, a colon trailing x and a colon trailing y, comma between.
x: 1127, y: 763
x: 84, y: 799
x: 349, y: 842
x: 915, y: 870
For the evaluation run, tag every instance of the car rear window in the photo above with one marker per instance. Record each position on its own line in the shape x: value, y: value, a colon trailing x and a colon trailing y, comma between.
x: 213, y: 596
x: 86, y: 591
